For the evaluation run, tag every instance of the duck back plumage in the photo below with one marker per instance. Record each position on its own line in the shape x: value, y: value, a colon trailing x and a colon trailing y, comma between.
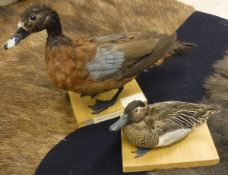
x: 166, y: 116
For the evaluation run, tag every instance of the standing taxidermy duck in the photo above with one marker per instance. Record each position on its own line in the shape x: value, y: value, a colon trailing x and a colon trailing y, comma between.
x: 93, y: 65
x: 161, y: 124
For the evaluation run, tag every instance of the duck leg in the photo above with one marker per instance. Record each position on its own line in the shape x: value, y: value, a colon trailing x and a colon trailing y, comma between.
x: 101, y: 105
x: 141, y: 152
x: 84, y: 95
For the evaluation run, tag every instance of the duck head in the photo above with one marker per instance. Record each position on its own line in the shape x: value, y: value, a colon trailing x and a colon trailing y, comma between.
x: 134, y: 112
x: 35, y: 19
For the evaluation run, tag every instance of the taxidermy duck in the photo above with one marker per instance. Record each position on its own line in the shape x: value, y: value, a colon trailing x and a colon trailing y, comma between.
x: 161, y: 124
x: 93, y: 65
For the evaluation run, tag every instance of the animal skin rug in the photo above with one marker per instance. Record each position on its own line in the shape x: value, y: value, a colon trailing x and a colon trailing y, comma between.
x: 35, y: 115
x: 7, y: 2
x: 216, y: 91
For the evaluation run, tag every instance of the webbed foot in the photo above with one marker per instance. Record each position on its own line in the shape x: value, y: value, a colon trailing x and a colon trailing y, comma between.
x: 141, y: 152
x: 101, y: 105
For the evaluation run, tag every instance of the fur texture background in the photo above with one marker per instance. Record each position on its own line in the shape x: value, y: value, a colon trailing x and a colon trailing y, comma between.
x: 216, y: 91
x: 35, y: 115
x: 7, y: 2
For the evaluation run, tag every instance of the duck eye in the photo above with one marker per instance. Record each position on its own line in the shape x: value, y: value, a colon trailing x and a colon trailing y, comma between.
x: 136, y: 110
x: 33, y: 17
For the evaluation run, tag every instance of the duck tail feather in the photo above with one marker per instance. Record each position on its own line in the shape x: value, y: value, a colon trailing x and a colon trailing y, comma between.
x: 181, y: 48
x: 195, y: 118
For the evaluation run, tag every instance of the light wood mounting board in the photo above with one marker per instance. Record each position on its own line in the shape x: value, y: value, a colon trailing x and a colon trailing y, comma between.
x: 195, y: 150
x: 83, y: 114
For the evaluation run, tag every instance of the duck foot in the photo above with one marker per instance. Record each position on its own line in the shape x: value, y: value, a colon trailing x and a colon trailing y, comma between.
x: 101, y: 105
x: 141, y: 152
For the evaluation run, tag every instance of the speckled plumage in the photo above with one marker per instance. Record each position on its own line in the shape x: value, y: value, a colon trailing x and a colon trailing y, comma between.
x: 140, y: 135
x: 155, y: 125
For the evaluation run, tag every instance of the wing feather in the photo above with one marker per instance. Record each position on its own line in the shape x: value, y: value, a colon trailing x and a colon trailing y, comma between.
x: 125, y: 55
x: 168, y: 116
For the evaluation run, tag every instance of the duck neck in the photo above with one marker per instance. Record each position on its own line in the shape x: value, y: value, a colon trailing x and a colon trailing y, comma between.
x: 55, y: 34
x: 54, y: 29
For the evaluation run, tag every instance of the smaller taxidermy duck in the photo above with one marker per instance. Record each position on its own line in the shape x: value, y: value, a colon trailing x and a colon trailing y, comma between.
x: 93, y: 65
x: 161, y: 124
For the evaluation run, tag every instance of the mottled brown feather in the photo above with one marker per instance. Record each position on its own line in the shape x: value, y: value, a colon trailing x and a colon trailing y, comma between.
x: 152, y: 121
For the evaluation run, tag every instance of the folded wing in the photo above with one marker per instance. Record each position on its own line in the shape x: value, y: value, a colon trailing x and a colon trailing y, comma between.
x: 125, y: 55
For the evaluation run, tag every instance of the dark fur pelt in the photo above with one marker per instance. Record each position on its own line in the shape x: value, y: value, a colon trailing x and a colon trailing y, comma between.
x: 34, y: 114
x: 216, y: 86
x: 216, y: 91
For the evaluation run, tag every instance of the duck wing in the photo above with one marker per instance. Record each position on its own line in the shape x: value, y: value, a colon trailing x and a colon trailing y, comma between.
x: 125, y: 55
x: 173, y: 115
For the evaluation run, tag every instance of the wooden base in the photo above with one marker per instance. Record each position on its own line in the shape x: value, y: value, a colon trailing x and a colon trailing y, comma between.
x: 83, y: 114
x: 196, y: 150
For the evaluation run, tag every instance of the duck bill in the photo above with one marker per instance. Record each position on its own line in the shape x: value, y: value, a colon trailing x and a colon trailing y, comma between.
x: 17, y: 37
x: 119, y: 123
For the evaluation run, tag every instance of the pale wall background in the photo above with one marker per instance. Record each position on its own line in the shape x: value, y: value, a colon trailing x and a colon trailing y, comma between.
x: 215, y: 7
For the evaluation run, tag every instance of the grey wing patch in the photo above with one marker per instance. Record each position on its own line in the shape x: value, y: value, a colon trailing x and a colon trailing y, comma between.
x: 105, y: 63
x: 173, y: 137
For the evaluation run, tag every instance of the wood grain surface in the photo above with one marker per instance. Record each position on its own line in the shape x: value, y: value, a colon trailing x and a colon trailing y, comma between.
x: 83, y: 114
x: 195, y: 150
